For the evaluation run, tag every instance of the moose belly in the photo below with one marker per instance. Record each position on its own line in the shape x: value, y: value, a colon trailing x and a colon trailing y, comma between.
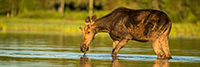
x: 116, y: 35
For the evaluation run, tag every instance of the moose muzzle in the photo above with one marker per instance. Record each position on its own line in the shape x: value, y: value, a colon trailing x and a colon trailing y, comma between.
x: 84, y: 48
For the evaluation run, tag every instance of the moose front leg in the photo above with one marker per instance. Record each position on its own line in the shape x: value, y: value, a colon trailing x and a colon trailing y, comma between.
x: 115, y: 43
x: 117, y: 47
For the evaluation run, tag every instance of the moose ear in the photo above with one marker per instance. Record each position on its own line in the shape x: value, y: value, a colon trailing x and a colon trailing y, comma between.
x: 87, y: 19
x: 93, y: 18
x: 81, y: 28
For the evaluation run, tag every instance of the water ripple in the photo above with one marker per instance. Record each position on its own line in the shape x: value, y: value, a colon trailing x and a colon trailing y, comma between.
x: 67, y: 55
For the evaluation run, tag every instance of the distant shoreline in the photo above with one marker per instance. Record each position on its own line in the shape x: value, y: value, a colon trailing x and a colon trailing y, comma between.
x: 185, y: 30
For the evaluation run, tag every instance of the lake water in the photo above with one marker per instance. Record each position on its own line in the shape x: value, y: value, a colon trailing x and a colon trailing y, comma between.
x: 39, y: 50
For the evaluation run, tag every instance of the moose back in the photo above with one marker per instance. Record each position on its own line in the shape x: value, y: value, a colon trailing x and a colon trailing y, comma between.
x: 123, y: 24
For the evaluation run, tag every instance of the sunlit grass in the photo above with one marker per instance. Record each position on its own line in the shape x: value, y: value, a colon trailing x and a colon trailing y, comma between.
x: 39, y: 25
x: 186, y: 30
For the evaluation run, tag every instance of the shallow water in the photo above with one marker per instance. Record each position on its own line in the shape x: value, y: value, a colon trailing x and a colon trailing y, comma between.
x: 26, y: 49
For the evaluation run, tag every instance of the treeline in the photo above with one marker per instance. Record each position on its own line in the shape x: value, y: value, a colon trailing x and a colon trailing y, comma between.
x: 178, y: 10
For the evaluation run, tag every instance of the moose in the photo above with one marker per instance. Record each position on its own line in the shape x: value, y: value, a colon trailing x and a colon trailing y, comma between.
x: 124, y: 24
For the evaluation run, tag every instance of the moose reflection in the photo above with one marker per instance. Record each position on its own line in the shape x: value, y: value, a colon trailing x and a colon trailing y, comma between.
x: 84, y: 62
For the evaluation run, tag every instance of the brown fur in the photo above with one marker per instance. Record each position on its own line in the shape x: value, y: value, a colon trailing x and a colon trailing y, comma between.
x: 125, y: 24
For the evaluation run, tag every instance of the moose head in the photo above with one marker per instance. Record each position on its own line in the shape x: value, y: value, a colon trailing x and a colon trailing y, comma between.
x: 88, y: 33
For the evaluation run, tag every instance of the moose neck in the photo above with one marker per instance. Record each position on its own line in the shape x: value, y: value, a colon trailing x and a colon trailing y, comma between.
x: 103, y: 24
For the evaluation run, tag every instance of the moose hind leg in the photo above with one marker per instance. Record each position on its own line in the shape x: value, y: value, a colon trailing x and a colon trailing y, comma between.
x: 158, y: 49
x: 165, y: 46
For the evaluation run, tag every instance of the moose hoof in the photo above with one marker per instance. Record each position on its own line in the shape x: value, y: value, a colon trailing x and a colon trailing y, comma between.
x: 114, y: 55
x: 165, y: 57
x: 168, y: 58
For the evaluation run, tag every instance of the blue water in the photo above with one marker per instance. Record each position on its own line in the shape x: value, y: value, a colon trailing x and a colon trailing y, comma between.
x: 67, y: 55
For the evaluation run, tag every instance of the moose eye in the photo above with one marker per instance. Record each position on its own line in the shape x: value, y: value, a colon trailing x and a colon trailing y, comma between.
x: 88, y: 32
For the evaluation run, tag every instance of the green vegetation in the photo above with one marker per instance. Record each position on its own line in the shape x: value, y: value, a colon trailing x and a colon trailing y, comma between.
x: 187, y: 30
x: 182, y: 11
x: 2, y: 26
x: 67, y: 15
x: 37, y: 25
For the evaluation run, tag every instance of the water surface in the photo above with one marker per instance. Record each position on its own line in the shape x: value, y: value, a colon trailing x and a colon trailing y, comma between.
x: 26, y: 49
